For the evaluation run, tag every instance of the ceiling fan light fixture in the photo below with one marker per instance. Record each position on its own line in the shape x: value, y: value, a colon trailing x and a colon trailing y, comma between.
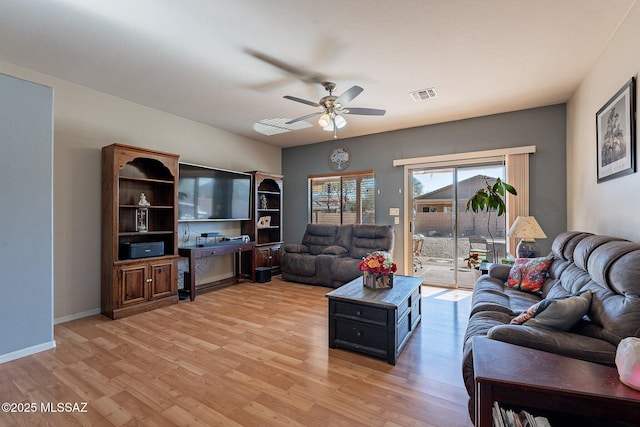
x: 329, y: 127
x: 340, y: 121
x: 325, y: 120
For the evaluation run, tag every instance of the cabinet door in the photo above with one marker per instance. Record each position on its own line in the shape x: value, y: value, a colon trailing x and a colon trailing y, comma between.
x: 132, y: 284
x: 263, y: 257
x: 163, y: 279
x: 276, y: 256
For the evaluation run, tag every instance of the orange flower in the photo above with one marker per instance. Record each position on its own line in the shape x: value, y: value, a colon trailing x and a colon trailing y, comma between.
x: 373, y: 263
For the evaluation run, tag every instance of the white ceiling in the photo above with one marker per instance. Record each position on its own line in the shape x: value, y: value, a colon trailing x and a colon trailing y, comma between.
x: 187, y: 57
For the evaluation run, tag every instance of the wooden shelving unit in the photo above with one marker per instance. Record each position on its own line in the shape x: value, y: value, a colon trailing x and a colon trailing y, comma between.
x: 267, y: 203
x: 131, y: 285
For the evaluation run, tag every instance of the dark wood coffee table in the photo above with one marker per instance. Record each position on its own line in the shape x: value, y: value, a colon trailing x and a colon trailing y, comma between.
x: 377, y: 322
x: 528, y: 378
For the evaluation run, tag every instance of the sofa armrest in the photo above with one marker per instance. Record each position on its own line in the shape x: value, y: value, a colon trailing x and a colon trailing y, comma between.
x: 335, y: 250
x: 499, y: 271
x: 554, y: 341
x: 296, y: 249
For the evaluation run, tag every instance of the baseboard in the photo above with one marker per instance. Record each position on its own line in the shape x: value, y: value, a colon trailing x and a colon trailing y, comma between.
x: 75, y: 316
x: 27, y: 351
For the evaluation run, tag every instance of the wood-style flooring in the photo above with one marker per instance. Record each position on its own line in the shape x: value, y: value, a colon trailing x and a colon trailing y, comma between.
x: 245, y: 355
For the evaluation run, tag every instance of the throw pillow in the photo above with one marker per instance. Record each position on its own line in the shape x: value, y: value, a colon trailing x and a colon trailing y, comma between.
x: 557, y: 313
x: 529, y: 274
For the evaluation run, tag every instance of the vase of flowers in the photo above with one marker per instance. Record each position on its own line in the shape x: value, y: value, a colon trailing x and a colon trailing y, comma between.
x: 377, y: 270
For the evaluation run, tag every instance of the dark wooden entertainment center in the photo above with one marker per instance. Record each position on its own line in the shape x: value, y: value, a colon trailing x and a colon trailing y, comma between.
x: 140, y: 232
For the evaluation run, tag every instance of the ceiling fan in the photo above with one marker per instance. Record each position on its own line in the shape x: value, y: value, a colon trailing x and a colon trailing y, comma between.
x: 334, y: 108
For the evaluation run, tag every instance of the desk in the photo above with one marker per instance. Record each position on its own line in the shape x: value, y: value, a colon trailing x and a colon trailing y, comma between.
x: 530, y: 378
x: 223, y: 248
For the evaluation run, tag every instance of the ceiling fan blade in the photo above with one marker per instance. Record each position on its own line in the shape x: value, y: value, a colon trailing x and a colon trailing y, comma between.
x: 364, y: 111
x: 304, y: 101
x: 349, y: 95
x: 302, y: 74
x: 308, y: 116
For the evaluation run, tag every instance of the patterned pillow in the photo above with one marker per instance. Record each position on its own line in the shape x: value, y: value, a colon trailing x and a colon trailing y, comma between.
x: 557, y: 313
x: 529, y: 274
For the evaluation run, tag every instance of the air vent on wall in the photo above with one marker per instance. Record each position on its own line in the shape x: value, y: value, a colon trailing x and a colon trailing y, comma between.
x: 423, y: 94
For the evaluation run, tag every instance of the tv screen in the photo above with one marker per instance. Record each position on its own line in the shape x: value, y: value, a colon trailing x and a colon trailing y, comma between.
x: 210, y: 194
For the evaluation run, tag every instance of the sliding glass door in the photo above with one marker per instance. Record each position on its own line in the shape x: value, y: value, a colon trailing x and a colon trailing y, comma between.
x: 443, y: 232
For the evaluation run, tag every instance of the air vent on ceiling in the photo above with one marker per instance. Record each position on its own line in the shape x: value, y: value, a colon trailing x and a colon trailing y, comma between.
x: 423, y: 94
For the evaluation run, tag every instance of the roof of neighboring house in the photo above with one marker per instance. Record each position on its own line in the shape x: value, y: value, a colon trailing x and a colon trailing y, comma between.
x: 466, y: 188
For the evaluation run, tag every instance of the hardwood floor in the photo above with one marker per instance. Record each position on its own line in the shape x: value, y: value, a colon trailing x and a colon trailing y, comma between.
x: 246, y: 355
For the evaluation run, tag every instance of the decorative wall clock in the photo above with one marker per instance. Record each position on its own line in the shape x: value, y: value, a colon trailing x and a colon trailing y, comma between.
x: 339, y: 158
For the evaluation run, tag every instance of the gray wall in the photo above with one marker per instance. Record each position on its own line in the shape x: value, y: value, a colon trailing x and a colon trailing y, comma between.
x: 543, y: 127
x: 26, y: 217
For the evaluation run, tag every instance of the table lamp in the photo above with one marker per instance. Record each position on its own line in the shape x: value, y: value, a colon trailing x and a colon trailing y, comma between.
x: 528, y: 230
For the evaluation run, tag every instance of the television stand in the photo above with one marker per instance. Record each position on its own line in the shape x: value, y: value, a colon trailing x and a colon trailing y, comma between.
x: 217, y: 249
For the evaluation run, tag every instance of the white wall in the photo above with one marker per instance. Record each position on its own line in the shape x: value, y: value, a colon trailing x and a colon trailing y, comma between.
x: 611, y: 207
x: 86, y: 120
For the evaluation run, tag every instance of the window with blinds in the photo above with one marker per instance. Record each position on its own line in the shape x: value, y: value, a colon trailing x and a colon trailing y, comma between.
x: 342, y: 199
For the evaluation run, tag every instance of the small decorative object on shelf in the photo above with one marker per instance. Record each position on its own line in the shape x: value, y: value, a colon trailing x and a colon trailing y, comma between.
x: 143, y: 201
x: 142, y: 220
x: 264, y: 204
x: 264, y: 221
x: 142, y: 217
x: 628, y: 362
x: 377, y: 270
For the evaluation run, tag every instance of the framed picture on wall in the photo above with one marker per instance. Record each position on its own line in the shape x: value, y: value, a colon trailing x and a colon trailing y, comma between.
x: 615, y: 133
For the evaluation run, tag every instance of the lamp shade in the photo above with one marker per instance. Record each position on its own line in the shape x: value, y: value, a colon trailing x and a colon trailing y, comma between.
x: 526, y: 228
x: 324, y: 120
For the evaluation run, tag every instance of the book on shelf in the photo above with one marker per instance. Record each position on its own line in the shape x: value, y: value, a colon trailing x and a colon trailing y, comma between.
x: 504, y: 417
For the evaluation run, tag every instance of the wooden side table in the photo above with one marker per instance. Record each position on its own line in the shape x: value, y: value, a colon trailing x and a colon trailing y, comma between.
x: 533, y: 379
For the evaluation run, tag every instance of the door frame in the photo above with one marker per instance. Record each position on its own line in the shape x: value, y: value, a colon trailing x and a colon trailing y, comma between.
x: 477, y: 157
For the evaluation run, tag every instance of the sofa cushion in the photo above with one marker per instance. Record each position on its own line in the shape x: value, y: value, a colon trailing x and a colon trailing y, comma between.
x: 529, y: 274
x: 558, y: 313
x: 567, y: 344
x: 319, y: 236
x: 492, y: 295
x: 302, y: 264
x: 370, y: 238
x: 335, y: 250
x: 296, y: 249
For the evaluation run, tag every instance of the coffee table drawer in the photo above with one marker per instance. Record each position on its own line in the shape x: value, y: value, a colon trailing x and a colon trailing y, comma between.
x: 362, y: 313
x: 361, y: 336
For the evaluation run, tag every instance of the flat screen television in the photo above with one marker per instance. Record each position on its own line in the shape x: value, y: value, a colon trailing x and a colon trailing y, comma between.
x: 210, y: 194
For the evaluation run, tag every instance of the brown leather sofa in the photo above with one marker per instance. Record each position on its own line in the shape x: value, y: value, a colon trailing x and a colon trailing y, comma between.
x: 607, y: 266
x: 329, y: 254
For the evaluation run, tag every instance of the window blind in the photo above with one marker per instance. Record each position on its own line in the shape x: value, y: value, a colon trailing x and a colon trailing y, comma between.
x: 342, y: 199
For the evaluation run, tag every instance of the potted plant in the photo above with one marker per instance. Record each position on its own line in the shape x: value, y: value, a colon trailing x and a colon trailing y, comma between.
x: 488, y: 199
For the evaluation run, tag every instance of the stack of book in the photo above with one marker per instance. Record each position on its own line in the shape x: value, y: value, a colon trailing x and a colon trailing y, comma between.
x: 509, y: 418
